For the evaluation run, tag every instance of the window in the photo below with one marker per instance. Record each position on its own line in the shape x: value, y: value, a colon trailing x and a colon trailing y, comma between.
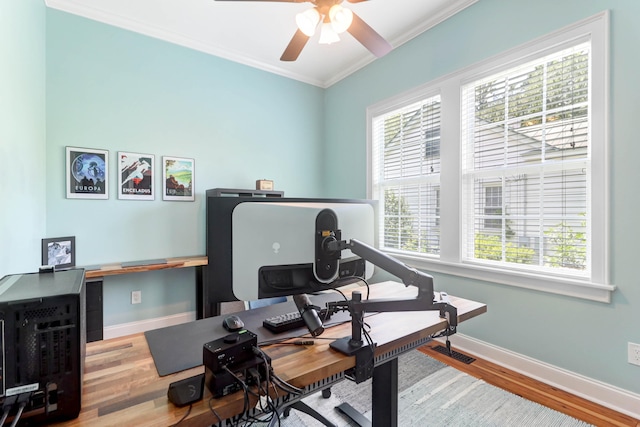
x: 407, y: 164
x: 499, y: 172
x: 526, y: 136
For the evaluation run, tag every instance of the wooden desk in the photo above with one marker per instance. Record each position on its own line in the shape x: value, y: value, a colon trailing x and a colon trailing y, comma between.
x: 122, y: 387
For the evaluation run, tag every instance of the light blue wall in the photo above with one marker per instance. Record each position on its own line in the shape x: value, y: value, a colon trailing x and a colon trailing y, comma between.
x: 22, y: 134
x: 117, y: 90
x: 113, y: 89
x: 584, y: 337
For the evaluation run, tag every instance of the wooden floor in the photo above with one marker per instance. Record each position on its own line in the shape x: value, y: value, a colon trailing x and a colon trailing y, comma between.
x: 536, y: 391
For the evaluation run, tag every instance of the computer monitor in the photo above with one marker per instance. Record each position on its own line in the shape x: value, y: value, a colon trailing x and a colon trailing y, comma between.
x: 261, y: 247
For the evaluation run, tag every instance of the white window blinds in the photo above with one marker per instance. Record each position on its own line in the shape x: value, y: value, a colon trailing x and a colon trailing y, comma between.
x: 525, y: 165
x: 406, y: 176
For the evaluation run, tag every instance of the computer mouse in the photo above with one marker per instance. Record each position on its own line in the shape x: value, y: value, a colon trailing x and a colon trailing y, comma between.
x: 232, y: 323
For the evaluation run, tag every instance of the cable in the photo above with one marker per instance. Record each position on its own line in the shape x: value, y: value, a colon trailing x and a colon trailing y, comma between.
x: 271, y: 409
x: 184, y: 416
x: 280, y: 340
x: 341, y: 293
x: 268, y: 371
x: 213, y: 411
x: 245, y: 406
x: 370, y: 345
x: 367, y: 285
x: 7, y: 405
x: 287, y: 387
x: 22, y: 402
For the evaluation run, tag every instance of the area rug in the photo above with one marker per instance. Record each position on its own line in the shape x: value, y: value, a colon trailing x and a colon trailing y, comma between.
x: 434, y: 394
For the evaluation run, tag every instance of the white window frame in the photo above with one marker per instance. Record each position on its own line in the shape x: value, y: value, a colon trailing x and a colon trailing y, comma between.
x: 596, y: 287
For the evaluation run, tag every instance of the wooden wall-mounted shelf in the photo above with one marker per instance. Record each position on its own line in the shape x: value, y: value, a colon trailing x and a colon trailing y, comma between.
x: 95, y: 273
x: 114, y: 269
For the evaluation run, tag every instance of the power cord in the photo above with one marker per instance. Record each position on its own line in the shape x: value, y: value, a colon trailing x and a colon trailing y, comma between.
x: 276, y: 379
x: 245, y: 406
x: 271, y: 408
x: 184, y: 417
x: 6, y: 407
x: 23, y: 398
x: 213, y: 410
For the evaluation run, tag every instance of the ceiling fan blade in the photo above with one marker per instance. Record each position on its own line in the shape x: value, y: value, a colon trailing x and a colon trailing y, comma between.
x: 355, y: 1
x: 368, y: 37
x: 295, y: 46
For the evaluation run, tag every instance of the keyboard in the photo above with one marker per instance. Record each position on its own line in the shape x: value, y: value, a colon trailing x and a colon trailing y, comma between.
x: 288, y: 321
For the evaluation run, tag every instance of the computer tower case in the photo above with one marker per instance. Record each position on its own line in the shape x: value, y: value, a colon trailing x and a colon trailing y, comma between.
x: 42, y: 331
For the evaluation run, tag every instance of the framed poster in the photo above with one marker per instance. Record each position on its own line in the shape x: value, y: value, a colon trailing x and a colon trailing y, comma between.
x: 135, y: 176
x: 87, y: 173
x: 59, y: 252
x: 177, y: 179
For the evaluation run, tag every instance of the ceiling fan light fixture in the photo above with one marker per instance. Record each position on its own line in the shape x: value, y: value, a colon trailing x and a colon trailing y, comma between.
x: 341, y: 18
x: 308, y: 21
x: 327, y: 34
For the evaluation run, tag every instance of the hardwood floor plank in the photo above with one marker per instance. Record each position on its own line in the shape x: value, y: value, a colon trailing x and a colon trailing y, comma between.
x: 535, y: 390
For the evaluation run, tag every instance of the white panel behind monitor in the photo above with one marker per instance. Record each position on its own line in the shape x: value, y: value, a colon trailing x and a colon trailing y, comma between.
x: 273, y: 234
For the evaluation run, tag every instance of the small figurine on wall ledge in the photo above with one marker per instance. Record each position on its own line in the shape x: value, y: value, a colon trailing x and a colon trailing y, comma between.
x: 264, y: 184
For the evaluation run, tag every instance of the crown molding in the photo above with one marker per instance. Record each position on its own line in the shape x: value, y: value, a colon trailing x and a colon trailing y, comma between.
x: 92, y: 12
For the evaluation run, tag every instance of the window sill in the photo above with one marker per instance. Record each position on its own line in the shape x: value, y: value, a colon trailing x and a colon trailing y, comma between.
x: 561, y: 286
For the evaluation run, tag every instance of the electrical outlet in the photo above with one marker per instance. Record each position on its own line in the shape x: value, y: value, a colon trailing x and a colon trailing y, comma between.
x: 634, y: 354
x: 136, y: 297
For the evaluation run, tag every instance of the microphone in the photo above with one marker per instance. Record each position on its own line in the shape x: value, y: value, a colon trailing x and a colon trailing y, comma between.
x: 309, y: 314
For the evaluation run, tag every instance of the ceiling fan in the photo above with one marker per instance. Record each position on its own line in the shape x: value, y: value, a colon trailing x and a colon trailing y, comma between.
x: 333, y: 19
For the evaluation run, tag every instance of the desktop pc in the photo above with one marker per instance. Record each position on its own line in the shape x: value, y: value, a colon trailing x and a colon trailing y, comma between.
x: 42, y: 343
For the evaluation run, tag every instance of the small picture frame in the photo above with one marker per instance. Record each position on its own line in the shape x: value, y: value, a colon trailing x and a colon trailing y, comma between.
x: 59, y: 252
x: 178, y: 182
x: 135, y: 176
x: 87, y: 171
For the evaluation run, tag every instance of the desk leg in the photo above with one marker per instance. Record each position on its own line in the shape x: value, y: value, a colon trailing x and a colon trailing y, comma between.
x: 204, y: 308
x: 384, y: 398
x: 200, y: 308
x: 384, y: 395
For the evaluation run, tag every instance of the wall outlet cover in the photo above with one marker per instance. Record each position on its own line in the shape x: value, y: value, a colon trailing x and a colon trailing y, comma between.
x: 634, y: 353
x: 136, y: 297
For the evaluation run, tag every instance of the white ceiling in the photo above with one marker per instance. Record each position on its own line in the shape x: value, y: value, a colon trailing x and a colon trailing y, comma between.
x: 256, y: 33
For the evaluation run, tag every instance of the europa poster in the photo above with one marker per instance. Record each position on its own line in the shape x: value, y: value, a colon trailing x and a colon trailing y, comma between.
x: 135, y: 176
x: 178, y: 179
x: 87, y: 173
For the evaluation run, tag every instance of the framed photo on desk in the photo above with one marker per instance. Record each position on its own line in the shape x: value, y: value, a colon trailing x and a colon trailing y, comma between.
x: 59, y: 252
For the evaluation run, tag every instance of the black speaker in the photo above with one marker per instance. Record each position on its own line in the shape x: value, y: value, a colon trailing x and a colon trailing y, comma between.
x: 186, y: 391
x: 42, y: 319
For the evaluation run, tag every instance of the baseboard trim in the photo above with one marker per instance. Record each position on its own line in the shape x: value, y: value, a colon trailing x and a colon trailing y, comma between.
x: 123, y: 329
x: 612, y: 397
